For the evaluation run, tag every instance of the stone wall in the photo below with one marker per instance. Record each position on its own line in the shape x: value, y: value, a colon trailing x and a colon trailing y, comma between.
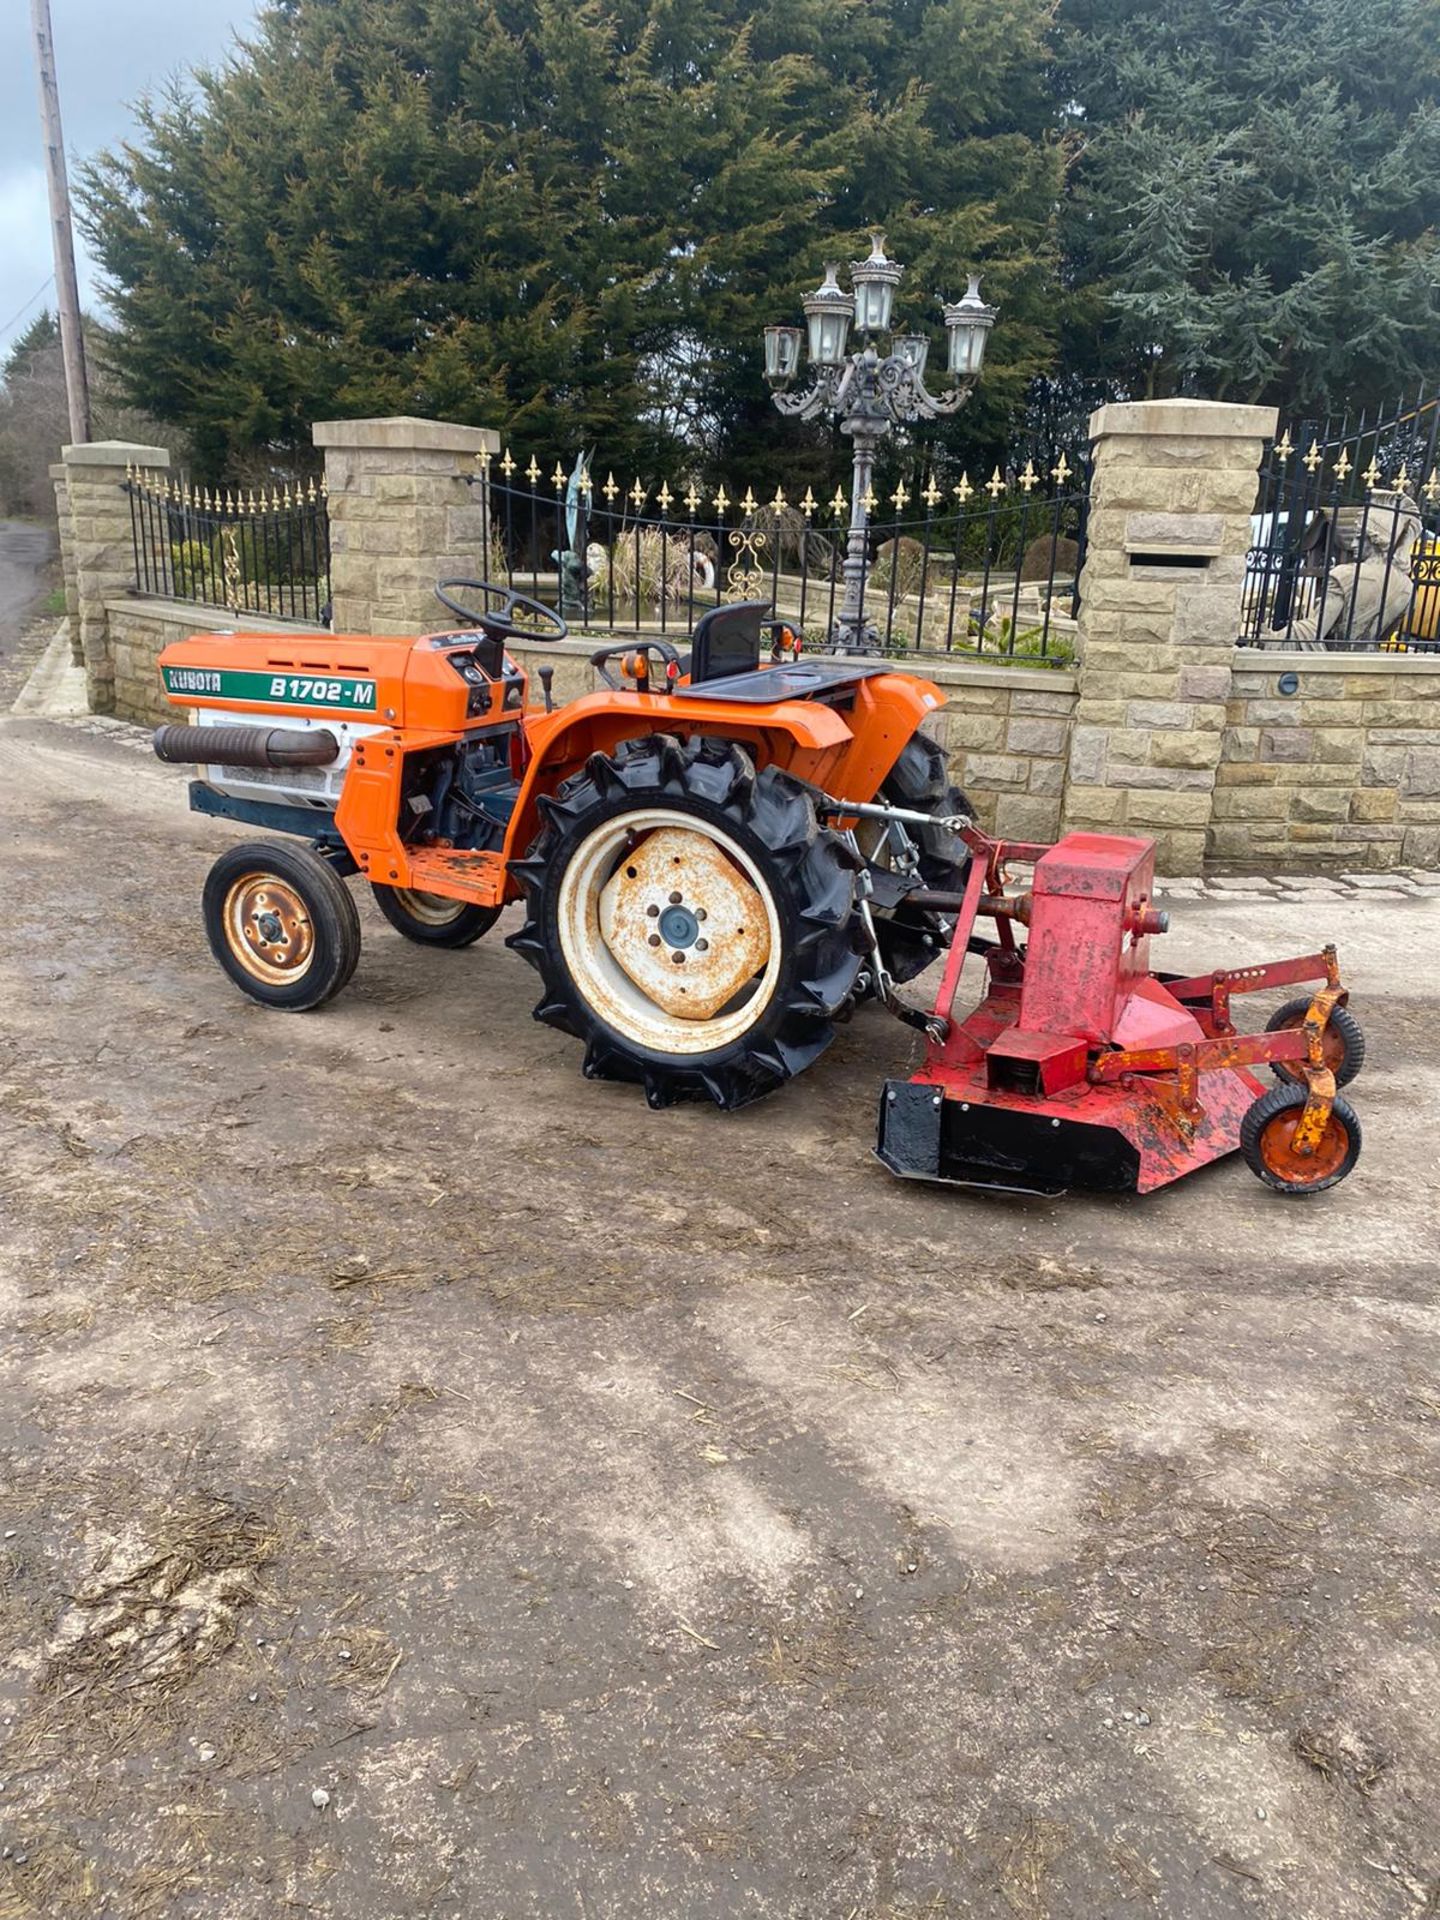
x: 1163, y: 728
x: 1007, y: 731
x: 140, y: 628
x: 1329, y: 762
x: 1343, y: 773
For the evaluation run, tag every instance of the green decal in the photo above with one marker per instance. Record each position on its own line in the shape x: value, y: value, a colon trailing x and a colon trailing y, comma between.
x: 273, y: 689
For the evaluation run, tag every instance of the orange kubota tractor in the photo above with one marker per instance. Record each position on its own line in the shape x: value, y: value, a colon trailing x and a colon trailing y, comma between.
x: 718, y: 857
x: 698, y: 906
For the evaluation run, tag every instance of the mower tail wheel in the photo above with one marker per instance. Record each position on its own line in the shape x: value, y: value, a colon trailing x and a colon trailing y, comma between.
x: 690, y: 919
x: 433, y: 919
x: 282, y: 924
x: 1267, y: 1134
x: 1343, y: 1045
x: 910, y: 938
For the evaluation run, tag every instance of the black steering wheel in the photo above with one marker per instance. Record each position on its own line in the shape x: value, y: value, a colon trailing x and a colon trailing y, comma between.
x: 499, y: 623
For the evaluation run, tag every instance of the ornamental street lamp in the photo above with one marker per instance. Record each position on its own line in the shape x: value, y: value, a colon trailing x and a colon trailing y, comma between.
x: 869, y: 392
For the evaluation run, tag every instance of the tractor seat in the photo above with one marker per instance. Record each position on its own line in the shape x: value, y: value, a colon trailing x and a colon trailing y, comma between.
x: 726, y: 641
x: 725, y: 662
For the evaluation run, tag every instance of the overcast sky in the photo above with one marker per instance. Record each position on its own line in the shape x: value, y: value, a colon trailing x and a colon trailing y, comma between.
x: 108, y: 53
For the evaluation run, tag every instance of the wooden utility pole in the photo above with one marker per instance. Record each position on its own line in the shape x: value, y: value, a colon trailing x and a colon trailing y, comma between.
x: 72, y: 340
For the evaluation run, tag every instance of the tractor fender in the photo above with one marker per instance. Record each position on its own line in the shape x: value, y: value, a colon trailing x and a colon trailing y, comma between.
x: 803, y: 736
x: 889, y: 710
x: 632, y: 715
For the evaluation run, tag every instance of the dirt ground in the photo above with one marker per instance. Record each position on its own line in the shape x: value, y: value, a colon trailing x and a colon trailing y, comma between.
x: 618, y: 1513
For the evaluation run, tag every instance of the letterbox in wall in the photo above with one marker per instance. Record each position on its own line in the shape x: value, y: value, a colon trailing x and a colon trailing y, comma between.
x: 1164, y: 542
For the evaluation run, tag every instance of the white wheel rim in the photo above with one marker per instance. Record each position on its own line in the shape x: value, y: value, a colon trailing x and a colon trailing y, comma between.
x: 430, y: 909
x: 608, y: 933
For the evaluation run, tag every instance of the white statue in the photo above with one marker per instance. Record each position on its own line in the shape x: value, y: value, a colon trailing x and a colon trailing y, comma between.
x: 1367, y: 588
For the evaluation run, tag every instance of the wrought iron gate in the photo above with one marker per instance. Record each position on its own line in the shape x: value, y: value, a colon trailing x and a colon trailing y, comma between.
x: 1345, y: 553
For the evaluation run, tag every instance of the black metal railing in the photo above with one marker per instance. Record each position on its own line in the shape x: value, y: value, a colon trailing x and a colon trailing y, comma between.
x: 1345, y: 539
x: 953, y: 570
x: 247, y: 551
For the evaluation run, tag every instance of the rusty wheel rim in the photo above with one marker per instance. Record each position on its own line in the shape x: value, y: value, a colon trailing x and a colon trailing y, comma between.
x: 1332, y: 1049
x: 430, y: 909
x: 653, y: 884
x: 1299, y: 1170
x: 268, y: 928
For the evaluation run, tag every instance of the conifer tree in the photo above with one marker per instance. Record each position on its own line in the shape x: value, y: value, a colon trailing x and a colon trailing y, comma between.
x: 1254, y: 196
x: 571, y: 221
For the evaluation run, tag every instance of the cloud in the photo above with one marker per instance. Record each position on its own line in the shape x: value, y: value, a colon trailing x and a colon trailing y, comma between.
x: 107, y: 53
x: 26, y: 260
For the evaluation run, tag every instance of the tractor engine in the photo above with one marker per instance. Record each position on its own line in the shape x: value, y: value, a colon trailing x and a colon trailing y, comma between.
x: 289, y: 777
x: 461, y: 795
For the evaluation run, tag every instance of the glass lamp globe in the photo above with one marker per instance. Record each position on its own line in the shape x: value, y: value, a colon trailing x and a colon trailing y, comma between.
x: 828, y: 313
x: 875, y: 281
x: 968, y: 323
x: 782, y: 353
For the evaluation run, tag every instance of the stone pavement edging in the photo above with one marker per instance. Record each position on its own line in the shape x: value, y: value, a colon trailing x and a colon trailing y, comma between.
x: 1403, y: 883
x: 55, y: 688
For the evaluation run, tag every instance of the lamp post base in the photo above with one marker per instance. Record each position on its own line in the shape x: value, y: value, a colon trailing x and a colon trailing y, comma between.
x: 852, y: 636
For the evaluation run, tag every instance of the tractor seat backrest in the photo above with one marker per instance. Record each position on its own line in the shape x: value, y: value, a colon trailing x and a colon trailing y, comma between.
x: 727, y: 641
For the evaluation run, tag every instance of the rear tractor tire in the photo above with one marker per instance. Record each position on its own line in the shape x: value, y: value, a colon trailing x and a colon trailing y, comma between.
x: 433, y: 919
x: 691, y: 920
x: 912, y: 937
x: 282, y: 924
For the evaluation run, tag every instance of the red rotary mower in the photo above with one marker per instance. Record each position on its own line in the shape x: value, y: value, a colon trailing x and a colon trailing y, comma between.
x: 1082, y: 1067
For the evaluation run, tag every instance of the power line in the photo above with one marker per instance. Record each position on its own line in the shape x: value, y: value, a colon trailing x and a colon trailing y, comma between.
x: 44, y: 285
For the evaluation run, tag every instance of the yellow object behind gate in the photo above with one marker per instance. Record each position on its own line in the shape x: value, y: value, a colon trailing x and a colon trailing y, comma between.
x: 1423, y: 620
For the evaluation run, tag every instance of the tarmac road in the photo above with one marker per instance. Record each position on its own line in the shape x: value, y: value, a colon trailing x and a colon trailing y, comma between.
x: 26, y: 550
x: 629, y: 1514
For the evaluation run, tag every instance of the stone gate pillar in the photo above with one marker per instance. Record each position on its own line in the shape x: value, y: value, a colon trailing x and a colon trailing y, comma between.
x: 401, y: 518
x: 1172, y: 491
x: 102, y: 549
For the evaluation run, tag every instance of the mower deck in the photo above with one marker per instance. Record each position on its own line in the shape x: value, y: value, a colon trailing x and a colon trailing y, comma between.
x: 1082, y: 1068
x: 954, y: 1129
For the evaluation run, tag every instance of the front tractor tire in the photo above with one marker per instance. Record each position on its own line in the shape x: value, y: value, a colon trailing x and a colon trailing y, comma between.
x: 433, y: 919
x: 282, y: 924
x: 691, y: 920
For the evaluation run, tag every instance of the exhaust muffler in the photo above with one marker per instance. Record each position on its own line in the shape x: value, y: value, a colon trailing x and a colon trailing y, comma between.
x: 247, y: 746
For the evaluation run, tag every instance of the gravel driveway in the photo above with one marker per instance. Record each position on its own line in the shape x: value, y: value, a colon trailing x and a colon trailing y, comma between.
x: 432, y: 1484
